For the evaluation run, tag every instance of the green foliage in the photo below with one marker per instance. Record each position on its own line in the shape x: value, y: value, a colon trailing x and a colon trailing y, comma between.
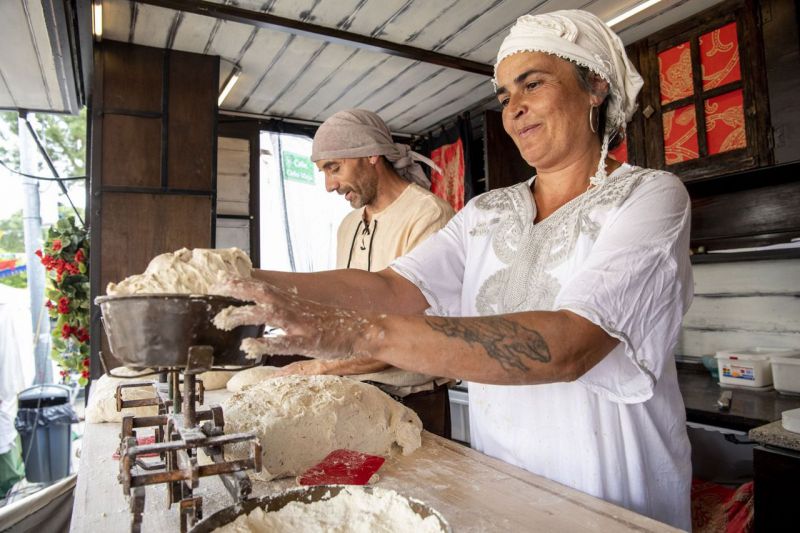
x: 63, y: 136
x: 18, y: 281
x: 12, y: 234
x: 66, y: 258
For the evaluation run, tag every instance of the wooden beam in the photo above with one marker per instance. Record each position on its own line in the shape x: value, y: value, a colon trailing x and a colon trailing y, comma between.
x: 333, y: 35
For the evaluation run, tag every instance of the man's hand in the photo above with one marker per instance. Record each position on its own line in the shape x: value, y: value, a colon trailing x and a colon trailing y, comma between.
x: 308, y: 327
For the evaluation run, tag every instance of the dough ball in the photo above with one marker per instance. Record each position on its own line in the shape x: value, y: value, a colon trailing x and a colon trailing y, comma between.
x: 216, y: 379
x: 102, y: 406
x: 251, y: 376
x: 301, y: 419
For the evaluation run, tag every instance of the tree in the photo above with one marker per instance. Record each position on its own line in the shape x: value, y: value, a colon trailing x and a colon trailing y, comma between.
x: 12, y: 234
x: 63, y: 136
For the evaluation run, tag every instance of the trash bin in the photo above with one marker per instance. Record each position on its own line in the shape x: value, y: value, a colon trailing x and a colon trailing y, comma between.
x: 44, y: 419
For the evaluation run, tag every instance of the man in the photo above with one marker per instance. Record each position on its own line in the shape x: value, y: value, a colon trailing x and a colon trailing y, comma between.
x: 387, y: 188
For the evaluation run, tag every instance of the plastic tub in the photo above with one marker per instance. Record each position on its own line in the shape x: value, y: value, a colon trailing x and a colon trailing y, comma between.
x: 786, y: 374
x: 749, y: 367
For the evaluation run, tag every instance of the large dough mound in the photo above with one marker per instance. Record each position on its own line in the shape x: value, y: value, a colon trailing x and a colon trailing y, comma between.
x: 301, y: 419
x: 185, y: 272
x: 102, y: 406
x: 251, y: 376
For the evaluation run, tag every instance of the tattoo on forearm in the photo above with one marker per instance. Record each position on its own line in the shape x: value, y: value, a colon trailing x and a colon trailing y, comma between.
x: 506, y: 341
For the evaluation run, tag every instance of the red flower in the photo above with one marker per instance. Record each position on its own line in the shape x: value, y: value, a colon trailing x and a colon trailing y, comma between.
x: 85, y: 373
x: 48, y: 304
x: 86, y: 363
x: 82, y: 335
x: 66, y: 331
x: 63, y: 305
x: 56, y: 245
x: 79, y: 257
x: 38, y: 253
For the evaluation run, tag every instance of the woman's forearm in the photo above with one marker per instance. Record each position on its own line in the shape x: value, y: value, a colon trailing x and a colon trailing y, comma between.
x: 521, y: 348
x: 380, y: 292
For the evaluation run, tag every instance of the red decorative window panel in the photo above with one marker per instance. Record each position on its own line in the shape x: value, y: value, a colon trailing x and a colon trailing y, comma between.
x: 719, y: 57
x: 620, y: 153
x: 725, y: 122
x: 675, y: 73
x: 450, y: 185
x: 680, y: 135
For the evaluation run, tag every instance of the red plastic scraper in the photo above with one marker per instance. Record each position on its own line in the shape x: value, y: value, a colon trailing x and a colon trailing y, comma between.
x: 342, y: 467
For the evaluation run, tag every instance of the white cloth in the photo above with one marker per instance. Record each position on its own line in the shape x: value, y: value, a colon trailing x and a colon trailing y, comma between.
x: 618, y: 256
x: 360, y: 133
x: 581, y: 37
x: 16, y: 358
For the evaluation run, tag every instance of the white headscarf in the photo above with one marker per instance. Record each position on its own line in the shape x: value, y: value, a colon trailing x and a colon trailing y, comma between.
x: 361, y: 133
x: 582, y: 38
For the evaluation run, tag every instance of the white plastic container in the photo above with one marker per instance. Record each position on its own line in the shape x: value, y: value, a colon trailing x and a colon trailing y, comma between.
x: 790, y: 420
x: 750, y: 367
x: 786, y: 374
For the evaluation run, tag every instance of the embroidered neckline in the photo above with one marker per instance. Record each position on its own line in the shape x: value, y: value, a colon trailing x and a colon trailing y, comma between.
x: 531, y: 251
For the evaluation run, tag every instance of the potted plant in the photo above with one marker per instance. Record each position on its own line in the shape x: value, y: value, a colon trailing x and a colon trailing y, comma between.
x: 65, y: 256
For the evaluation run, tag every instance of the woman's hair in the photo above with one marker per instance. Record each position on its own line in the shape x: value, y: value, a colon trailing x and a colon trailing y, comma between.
x: 585, y: 76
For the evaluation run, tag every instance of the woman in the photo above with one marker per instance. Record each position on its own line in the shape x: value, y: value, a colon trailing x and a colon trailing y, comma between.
x: 560, y: 299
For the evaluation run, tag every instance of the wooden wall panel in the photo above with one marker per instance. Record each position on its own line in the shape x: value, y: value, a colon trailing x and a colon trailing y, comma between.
x: 132, y: 77
x: 192, y: 120
x: 131, y: 151
x: 737, y: 305
x: 753, y: 217
x: 137, y: 227
x: 233, y: 176
x: 153, y: 155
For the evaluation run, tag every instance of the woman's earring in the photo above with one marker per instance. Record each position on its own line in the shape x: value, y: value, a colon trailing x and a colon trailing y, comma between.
x: 592, y: 119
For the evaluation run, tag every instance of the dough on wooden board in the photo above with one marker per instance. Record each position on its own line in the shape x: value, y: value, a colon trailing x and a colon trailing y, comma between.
x: 301, y: 419
x: 251, y: 376
x: 102, y: 405
x: 216, y: 379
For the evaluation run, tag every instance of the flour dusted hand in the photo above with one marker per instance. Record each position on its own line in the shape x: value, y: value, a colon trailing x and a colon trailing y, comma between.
x: 306, y: 327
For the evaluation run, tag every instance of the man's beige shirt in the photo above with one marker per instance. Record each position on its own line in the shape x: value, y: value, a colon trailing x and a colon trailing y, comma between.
x: 414, y: 216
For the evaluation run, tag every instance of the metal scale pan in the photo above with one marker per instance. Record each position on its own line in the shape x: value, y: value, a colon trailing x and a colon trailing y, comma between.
x: 157, y: 330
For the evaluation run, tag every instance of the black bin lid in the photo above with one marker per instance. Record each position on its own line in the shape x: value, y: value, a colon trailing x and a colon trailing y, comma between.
x: 43, y: 396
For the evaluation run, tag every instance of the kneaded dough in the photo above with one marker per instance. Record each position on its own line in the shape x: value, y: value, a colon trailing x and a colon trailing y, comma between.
x: 301, y: 419
x: 251, y: 376
x: 353, y: 510
x: 185, y: 272
x: 102, y: 405
x: 216, y: 379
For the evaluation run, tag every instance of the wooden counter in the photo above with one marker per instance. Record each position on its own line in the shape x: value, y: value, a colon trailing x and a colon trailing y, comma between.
x: 472, y: 491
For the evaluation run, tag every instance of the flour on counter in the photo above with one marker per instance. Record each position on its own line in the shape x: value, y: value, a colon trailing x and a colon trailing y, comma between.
x: 185, y: 272
x: 353, y: 510
x: 301, y: 419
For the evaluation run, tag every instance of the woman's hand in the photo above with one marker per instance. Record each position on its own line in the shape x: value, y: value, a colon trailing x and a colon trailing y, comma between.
x: 307, y: 327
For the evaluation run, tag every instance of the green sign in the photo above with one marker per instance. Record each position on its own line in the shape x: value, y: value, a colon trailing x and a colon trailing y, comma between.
x: 297, y: 168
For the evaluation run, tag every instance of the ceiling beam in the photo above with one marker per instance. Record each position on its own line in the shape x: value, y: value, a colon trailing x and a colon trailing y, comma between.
x: 333, y: 35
